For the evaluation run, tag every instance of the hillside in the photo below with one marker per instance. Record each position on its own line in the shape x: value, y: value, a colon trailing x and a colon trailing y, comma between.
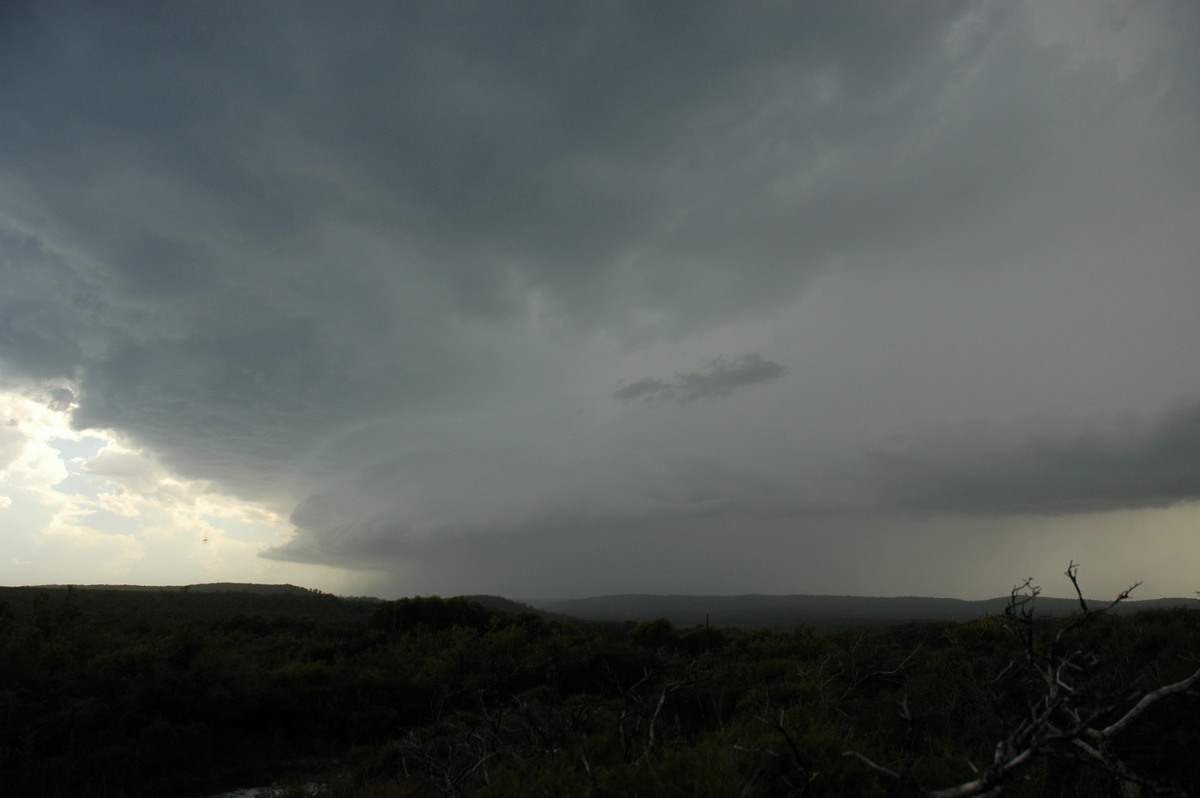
x: 824, y: 612
x: 164, y: 605
x: 170, y: 692
x: 829, y: 613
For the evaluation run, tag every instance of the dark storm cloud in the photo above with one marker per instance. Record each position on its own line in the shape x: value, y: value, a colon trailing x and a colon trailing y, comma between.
x: 718, y: 380
x: 611, y: 156
x: 431, y: 503
x: 239, y: 224
x: 1121, y: 465
x: 380, y: 264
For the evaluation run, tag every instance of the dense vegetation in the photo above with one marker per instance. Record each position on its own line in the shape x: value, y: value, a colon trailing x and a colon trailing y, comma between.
x: 169, y: 693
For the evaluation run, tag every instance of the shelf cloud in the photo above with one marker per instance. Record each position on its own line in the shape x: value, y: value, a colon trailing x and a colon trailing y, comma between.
x: 537, y: 285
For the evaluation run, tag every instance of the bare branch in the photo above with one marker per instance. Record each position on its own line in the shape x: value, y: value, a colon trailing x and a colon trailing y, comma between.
x: 1072, y: 574
x: 1149, y: 698
x: 871, y: 763
x: 1062, y: 721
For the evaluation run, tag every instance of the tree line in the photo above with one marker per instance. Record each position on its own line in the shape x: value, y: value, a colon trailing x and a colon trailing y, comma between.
x: 447, y: 697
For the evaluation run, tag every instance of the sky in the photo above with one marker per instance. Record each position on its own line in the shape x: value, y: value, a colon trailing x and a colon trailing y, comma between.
x: 566, y: 299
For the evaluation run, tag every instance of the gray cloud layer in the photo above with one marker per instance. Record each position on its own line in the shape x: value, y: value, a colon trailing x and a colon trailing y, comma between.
x: 1120, y: 465
x: 382, y: 264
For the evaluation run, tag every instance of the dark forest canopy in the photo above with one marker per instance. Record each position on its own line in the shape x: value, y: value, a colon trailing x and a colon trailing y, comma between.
x: 177, y: 692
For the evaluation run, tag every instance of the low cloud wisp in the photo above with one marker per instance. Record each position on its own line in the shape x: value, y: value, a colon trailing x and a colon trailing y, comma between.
x: 719, y: 379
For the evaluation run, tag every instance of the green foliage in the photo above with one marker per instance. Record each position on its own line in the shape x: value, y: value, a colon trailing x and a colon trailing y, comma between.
x: 432, y: 696
x: 431, y: 613
x: 655, y: 635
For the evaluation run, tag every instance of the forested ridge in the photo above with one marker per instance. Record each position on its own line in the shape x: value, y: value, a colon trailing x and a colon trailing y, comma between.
x: 185, y: 692
x: 827, y: 613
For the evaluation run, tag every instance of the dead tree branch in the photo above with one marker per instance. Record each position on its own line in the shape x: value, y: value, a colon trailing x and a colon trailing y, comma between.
x: 1066, y: 721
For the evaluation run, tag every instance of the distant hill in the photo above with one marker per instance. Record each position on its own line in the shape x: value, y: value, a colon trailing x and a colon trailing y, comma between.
x: 210, y: 587
x: 503, y: 604
x: 156, y: 605
x: 601, y: 614
x: 516, y: 607
x: 249, y: 587
x: 824, y: 612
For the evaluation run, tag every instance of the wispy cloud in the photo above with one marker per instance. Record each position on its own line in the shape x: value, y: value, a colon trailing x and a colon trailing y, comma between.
x: 719, y: 379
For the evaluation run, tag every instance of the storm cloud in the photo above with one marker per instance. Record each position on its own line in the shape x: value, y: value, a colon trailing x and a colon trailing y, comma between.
x: 379, y: 268
x: 1119, y: 464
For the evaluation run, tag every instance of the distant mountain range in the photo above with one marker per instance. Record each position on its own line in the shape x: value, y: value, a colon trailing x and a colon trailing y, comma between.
x: 745, y: 611
x: 209, y: 587
x: 819, y: 611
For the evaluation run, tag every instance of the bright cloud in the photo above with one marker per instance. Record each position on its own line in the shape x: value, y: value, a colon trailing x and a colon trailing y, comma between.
x: 117, y: 516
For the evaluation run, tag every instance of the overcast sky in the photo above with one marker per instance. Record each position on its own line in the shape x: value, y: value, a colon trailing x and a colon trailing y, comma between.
x: 563, y: 299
